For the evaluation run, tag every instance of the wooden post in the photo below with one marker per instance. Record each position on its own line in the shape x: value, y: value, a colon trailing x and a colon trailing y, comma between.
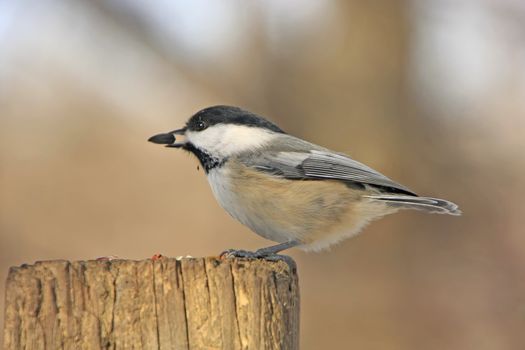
x: 189, y: 303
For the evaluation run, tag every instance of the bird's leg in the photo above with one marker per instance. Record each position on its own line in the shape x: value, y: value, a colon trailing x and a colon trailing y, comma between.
x: 274, y: 249
x: 266, y: 253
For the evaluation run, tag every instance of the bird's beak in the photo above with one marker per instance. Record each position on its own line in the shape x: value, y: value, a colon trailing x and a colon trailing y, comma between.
x: 168, y: 139
x: 178, y: 131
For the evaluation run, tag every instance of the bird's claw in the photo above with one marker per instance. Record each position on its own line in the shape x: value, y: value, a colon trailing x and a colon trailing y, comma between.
x: 238, y: 253
x: 258, y: 254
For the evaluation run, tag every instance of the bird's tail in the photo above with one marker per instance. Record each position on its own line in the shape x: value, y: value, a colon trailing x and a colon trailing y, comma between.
x: 430, y: 205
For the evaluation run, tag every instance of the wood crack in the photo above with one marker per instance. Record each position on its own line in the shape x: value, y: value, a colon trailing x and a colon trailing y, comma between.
x: 179, y: 270
x: 154, y: 279
x: 236, y: 314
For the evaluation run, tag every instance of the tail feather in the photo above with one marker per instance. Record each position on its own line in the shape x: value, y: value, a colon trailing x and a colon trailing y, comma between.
x: 430, y: 205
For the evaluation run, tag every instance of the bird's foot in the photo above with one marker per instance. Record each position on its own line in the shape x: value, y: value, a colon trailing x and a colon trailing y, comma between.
x: 258, y: 254
x: 238, y: 253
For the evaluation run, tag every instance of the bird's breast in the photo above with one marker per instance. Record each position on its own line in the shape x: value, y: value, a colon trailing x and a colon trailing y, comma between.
x: 221, y: 185
x: 281, y: 209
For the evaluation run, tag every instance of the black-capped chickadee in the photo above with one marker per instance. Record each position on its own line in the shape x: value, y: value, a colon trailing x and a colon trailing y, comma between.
x: 286, y: 189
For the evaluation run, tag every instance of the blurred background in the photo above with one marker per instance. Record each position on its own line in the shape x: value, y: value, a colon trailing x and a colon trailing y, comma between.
x: 431, y: 93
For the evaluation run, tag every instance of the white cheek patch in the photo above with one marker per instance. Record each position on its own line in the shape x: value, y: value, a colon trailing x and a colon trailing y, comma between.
x: 226, y: 140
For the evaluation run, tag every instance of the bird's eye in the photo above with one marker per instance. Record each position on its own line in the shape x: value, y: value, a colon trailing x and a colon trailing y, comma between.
x: 200, y: 125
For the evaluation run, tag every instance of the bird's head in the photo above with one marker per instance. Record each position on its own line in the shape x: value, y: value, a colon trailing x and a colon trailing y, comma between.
x: 220, y: 132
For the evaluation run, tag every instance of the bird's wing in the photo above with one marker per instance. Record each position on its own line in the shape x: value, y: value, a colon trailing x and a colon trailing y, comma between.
x: 322, y: 164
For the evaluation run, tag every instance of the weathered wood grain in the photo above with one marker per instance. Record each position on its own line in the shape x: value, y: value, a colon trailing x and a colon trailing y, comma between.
x: 191, y: 303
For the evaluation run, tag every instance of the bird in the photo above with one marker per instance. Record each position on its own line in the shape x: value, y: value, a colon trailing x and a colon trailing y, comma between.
x: 285, y: 189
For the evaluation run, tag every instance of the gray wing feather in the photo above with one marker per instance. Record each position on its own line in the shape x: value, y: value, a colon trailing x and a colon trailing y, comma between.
x: 337, y: 166
x: 314, y: 162
x: 286, y: 164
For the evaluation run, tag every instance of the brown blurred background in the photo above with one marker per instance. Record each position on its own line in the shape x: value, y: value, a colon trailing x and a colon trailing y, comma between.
x: 432, y: 93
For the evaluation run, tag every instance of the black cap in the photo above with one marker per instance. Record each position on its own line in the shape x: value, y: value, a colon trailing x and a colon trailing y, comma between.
x: 228, y: 115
